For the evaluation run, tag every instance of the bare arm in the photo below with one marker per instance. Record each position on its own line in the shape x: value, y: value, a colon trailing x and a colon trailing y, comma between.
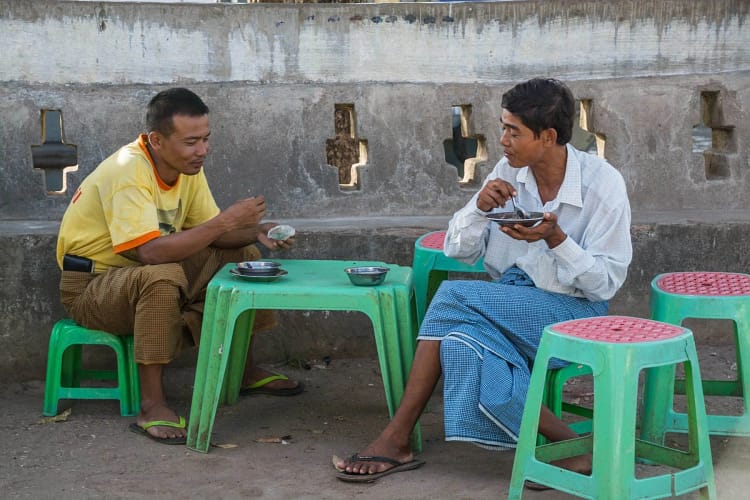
x: 237, y: 226
x: 241, y: 237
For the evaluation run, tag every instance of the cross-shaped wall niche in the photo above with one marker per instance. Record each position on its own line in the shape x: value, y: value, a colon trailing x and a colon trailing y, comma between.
x: 346, y: 152
x: 53, y: 156
x: 464, y: 149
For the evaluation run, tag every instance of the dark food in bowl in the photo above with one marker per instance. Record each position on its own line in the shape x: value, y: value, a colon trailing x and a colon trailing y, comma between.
x: 366, y: 275
x: 258, y: 268
x: 512, y: 218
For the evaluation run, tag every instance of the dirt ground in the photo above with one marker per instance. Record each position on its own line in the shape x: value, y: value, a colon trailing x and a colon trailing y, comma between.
x: 93, y: 455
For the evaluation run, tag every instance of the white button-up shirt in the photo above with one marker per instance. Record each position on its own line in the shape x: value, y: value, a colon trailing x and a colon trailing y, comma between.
x: 592, y: 208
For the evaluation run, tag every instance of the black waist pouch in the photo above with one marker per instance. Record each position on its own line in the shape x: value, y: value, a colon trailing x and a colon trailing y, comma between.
x: 76, y: 263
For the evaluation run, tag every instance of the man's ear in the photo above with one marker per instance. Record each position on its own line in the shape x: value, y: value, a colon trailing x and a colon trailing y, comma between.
x: 154, y: 139
x: 549, y: 136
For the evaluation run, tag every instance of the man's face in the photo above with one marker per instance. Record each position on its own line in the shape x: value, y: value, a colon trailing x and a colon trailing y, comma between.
x: 185, y: 149
x: 520, y: 146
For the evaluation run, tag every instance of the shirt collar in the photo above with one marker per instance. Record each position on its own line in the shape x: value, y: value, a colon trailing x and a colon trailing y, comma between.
x: 570, y: 190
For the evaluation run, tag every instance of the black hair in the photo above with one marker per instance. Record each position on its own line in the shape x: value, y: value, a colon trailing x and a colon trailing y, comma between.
x: 167, y: 103
x: 543, y: 103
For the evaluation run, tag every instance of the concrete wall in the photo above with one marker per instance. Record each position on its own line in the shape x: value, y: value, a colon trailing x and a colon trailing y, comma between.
x: 273, y: 74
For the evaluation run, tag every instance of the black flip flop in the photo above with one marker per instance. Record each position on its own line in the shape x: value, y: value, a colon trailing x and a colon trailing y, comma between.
x: 369, y: 478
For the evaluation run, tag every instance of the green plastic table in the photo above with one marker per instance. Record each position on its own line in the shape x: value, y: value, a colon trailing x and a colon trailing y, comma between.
x: 309, y: 285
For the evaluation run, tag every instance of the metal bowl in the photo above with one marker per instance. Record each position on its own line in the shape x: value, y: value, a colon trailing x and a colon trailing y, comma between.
x: 366, y: 275
x: 511, y: 219
x: 258, y: 268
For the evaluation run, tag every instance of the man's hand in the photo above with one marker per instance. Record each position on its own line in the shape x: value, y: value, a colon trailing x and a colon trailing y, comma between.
x: 547, y: 230
x: 244, y: 213
x: 495, y: 193
x: 270, y: 243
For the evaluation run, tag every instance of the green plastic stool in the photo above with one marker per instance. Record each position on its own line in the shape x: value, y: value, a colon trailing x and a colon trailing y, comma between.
x: 706, y: 295
x: 616, y: 348
x: 65, y: 373
x: 431, y: 266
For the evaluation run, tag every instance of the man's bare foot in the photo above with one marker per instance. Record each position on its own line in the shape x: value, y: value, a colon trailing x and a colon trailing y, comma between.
x: 151, y: 412
x: 580, y: 464
x: 381, y: 447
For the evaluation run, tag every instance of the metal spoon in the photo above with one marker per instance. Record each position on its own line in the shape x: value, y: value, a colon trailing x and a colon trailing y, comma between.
x: 522, y: 214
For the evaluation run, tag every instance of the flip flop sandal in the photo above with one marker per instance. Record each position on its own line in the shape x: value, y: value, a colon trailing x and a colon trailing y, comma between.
x: 369, y: 478
x: 259, y: 387
x: 143, y: 430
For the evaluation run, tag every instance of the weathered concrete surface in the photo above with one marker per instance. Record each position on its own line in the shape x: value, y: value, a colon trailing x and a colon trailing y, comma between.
x: 676, y: 242
x: 273, y: 74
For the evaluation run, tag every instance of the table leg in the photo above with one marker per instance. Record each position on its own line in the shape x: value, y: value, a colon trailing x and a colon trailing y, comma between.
x: 216, y: 338
x: 395, y: 341
x: 243, y: 331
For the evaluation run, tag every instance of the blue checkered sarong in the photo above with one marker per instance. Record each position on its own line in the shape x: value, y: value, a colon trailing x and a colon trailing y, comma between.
x: 489, y: 333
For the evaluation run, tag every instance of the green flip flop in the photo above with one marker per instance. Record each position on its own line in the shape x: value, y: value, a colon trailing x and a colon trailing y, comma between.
x: 259, y: 387
x: 143, y: 430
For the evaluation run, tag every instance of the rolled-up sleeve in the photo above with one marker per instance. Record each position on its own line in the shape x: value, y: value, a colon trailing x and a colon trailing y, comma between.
x: 466, y: 237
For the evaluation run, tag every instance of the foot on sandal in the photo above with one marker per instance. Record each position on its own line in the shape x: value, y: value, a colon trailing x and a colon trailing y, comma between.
x: 143, y: 429
x: 369, y: 477
x: 159, y: 422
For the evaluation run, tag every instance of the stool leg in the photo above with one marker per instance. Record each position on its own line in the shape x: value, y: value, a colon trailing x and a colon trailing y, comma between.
x: 614, y: 429
x: 658, y: 399
x: 698, y: 438
x: 54, y: 374
x: 71, y: 365
x: 422, y: 265
x: 435, y: 277
x: 528, y: 434
x: 134, y: 381
x: 742, y: 339
x: 123, y: 379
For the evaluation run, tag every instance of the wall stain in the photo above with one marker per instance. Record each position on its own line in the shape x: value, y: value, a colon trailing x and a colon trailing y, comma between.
x: 376, y: 19
x: 410, y: 18
x: 102, y: 20
x: 391, y: 19
x: 429, y: 20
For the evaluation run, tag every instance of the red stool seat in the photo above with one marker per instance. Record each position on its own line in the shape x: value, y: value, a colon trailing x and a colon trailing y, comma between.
x: 618, y: 329
x: 433, y: 240
x: 705, y: 283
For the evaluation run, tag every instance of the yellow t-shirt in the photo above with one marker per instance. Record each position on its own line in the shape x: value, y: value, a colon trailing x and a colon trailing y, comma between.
x: 123, y: 204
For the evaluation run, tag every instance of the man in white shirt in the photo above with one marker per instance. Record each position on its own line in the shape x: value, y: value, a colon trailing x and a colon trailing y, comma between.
x: 482, y: 336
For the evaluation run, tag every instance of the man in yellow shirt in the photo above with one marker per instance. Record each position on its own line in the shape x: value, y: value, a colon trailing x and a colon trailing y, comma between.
x: 139, y: 242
